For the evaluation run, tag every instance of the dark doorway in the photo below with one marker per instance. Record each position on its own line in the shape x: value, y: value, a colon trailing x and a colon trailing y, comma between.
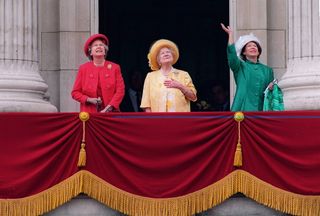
x: 194, y: 25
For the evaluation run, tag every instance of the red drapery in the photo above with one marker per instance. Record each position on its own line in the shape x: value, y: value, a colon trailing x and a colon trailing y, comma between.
x: 282, y: 148
x: 37, y: 151
x: 161, y: 156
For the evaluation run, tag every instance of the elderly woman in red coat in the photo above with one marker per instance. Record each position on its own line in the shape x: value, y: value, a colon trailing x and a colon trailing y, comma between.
x: 99, y: 85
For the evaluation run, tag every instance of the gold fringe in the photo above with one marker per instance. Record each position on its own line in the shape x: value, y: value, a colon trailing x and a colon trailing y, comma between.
x: 237, y: 181
x: 44, y: 201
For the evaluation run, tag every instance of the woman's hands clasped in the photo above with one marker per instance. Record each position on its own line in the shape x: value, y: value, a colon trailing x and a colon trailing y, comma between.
x: 94, y: 101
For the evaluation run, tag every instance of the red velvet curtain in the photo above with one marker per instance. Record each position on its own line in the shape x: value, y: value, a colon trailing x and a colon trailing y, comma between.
x: 283, y: 149
x: 159, y: 155
x: 37, y: 151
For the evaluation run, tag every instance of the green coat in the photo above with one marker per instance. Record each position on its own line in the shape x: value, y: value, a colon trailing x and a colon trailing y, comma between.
x: 251, y: 80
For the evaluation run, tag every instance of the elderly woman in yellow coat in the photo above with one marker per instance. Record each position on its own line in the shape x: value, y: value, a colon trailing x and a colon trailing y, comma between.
x: 166, y: 89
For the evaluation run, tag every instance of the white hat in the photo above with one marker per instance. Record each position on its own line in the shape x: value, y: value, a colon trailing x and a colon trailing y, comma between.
x: 243, y: 40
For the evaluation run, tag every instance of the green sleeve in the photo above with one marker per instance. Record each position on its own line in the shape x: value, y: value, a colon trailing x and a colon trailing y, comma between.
x: 271, y: 75
x: 233, y: 60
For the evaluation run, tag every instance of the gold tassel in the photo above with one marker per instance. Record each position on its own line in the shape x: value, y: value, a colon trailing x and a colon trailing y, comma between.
x: 238, y: 156
x: 237, y: 162
x: 84, y: 116
x: 82, y: 156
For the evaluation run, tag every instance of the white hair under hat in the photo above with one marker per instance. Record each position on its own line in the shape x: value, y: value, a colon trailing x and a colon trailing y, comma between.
x: 243, y: 40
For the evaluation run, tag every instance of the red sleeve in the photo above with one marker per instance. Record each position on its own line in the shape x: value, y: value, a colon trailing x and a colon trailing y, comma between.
x: 120, y: 89
x: 77, y: 87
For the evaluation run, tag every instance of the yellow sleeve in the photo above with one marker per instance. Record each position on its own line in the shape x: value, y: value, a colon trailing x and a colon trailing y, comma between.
x: 145, y: 101
x: 188, y: 82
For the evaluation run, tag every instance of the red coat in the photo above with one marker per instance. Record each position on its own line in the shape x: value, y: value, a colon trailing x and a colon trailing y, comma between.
x: 86, y: 84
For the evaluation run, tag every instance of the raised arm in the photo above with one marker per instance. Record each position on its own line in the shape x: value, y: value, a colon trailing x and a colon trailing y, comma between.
x: 229, y: 31
x: 233, y: 60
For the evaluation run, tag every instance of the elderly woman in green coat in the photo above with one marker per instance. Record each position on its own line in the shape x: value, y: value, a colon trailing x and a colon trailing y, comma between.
x: 251, y: 76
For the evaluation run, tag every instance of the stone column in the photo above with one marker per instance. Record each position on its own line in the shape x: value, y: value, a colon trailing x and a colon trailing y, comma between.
x: 21, y: 87
x: 301, y: 82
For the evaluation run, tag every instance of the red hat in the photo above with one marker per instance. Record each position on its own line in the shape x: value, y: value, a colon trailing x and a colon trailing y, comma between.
x: 91, y: 39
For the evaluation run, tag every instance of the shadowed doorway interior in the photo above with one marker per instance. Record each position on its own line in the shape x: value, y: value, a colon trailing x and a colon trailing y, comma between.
x: 132, y: 26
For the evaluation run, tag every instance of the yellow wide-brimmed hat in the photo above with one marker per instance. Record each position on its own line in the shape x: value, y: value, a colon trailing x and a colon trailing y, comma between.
x: 154, y: 51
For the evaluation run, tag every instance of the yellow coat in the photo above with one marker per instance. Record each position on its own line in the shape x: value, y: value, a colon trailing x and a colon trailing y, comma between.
x: 162, y: 99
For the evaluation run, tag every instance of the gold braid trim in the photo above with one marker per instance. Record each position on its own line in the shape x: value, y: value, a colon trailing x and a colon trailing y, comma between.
x: 237, y: 161
x: 84, y: 116
x: 237, y: 181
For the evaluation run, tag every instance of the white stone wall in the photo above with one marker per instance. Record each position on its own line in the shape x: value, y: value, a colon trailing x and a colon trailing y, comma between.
x: 49, y: 47
x: 277, y: 36
x: 64, y: 28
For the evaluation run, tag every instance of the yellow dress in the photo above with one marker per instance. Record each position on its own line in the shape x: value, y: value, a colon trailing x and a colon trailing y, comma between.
x: 162, y: 99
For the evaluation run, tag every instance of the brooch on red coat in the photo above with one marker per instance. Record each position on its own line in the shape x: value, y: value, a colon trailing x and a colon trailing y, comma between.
x: 109, y: 66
